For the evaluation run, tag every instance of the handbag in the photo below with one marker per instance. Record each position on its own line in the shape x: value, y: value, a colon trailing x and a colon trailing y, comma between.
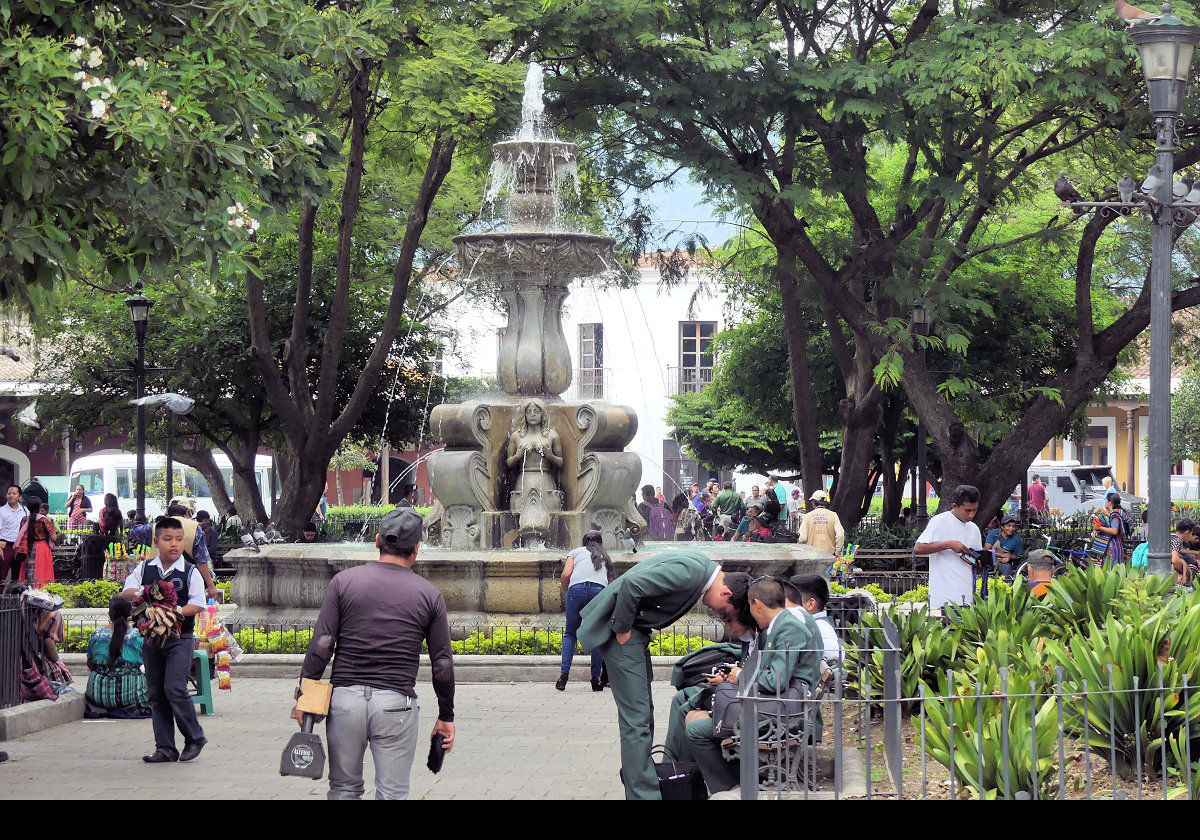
x: 726, y: 710
x: 690, y: 669
x: 678, y: 780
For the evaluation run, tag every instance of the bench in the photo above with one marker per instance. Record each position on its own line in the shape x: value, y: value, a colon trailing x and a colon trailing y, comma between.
x: 786, y: 749
x: 870, y: 559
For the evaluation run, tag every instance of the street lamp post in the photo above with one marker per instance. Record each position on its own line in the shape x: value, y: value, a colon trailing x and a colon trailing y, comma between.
x: 1166, y: 47
x: 139, y: 309
x: 921, y: 327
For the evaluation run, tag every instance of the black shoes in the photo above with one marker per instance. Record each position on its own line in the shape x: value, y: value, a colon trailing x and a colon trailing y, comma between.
x: 597, y: 684
x: 561, y: 685
x: 191, y: 750
x: 159, y: 757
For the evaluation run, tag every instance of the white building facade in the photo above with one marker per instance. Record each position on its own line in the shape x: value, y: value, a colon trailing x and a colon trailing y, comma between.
x: 636, y: 346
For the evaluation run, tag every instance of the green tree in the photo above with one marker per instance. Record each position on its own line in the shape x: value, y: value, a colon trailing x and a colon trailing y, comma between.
x: 351, y: 455
x: 133, y: 134
x: 882, y: 148
x: 1185, y: 419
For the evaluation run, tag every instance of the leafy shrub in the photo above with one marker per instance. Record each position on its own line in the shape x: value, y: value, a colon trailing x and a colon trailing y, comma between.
x: 77, y: 639
x: 836, y: 588
x: 60, y: 589
x: 227, y: 588
x: 675, y: 644
x: 511, y: 641
x: 927, y: 651
x: 914, y: 596
x: 876, y: 590
x: 94, y: 593
x: 262, y: 640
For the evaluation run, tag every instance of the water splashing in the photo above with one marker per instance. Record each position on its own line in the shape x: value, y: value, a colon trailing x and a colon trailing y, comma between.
x: 533, y: 109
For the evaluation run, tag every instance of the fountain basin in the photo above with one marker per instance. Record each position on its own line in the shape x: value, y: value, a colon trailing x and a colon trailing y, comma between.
x: 287, y: 581
x: 516, y: 253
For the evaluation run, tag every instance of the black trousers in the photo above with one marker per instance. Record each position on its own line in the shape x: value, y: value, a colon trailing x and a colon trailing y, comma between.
x: 167, y: 670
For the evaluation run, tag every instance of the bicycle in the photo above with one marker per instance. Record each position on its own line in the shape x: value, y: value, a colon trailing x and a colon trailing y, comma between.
x: 1065, y: 557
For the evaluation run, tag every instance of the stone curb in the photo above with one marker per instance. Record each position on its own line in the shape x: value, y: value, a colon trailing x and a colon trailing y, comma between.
x: 28, y: 718
x: 508, y: 669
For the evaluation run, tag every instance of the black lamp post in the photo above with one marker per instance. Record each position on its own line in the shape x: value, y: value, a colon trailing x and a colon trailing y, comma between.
x: 139, y: 309
x: 921, y: 327
x: 1166, y: 47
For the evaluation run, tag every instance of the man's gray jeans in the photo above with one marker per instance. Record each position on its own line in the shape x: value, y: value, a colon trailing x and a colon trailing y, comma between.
x: 387, y: 720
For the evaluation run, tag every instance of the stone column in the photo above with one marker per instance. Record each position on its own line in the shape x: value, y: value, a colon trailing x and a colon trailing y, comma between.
x: 1131, y: 449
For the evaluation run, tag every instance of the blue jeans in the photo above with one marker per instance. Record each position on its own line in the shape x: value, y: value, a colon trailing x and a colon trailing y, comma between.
x: 578, y: 597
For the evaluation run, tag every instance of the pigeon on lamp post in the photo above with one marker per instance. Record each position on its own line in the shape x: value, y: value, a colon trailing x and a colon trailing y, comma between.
x: 174, y: 403
x: 1181, y: 187
x: 1153, y: 181
x: 1065, y: 192
x: 1193, y: 197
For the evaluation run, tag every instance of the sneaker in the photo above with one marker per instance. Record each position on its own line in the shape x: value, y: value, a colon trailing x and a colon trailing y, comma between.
x: 561, y: 685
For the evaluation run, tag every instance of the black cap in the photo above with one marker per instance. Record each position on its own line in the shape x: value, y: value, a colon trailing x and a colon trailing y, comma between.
x: 400, y: 531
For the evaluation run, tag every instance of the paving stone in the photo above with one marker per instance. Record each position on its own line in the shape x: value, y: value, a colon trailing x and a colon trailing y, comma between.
x: 518, y: 740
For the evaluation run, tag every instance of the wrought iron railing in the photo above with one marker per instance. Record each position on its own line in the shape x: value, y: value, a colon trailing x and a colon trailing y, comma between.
x: 12, y: 630
x: 687, y: 380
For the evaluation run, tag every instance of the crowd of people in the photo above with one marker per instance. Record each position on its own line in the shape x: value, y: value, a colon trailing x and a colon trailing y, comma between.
x: 778, y: 513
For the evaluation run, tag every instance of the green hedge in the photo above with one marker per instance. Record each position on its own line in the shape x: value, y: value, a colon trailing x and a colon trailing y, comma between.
x: 93, y: 593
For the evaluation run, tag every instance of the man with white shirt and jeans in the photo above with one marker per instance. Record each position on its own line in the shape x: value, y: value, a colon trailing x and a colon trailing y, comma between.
x: 947, y: 536
x: 11, y: 517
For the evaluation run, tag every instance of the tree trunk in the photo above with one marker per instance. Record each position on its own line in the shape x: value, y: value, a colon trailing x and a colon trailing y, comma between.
x: 301, y: 493
x: 202, y: 461
x: 803, y: 415
x: 338, y: 479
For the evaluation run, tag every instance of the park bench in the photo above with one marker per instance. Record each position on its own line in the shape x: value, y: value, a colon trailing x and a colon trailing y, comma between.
x: 870, y: 559
x: 785, y: 746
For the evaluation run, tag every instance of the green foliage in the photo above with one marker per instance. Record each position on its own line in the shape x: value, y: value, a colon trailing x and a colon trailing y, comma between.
x: 94, y: 593
x: 60, y: 589
x: 511, y: 641
x: 77, y: 639
x: 675, y: 644
x: 1185, y: 419
x: 262, y: 640
x: 129, y: 129
x: 927, y: 651
x: 226, y: 587
x: 880, y: 595
x: 919, y: 595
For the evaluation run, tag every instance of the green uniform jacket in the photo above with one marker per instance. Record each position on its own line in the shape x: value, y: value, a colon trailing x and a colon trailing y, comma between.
x: 790, y: 651
x: 655, y: 593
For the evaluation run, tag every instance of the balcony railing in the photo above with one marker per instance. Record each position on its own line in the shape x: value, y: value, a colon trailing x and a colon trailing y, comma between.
x: 588, y: 384
x: 687, y: 380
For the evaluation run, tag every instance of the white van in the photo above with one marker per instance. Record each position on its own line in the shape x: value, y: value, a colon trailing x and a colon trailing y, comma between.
x: 1073, y: 487
x: 115, y: 471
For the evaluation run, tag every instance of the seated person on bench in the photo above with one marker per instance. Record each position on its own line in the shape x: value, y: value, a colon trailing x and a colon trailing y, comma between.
x: 789, y: 654
x: 810, y: 594
x: 1008, y: 546
x: 743, y: 633
x: 1183, y: 552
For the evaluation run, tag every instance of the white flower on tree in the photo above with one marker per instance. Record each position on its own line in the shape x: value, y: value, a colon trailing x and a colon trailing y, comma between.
x: 99, y: 109
x: 310, y: 138
x: 95, y: 58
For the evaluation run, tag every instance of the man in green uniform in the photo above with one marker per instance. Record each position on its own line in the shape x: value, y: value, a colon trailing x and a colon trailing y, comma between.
x: 790, y: 654
x: 654, y: 594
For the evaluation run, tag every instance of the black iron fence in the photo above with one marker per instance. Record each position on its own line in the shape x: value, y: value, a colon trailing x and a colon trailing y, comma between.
x: 858, y: 736
x: 12, y: 630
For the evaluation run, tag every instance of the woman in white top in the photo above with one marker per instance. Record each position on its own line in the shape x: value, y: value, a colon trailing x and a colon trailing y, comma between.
x: 588, y: 570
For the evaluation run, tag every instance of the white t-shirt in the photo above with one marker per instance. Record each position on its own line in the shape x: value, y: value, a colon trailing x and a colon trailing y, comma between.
x: 10, y: 521
x: 950, y: 578
x: 585, y: 571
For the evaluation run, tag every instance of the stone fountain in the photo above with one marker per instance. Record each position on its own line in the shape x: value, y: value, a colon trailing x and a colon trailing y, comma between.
x: 531, y: 470
x: 527, y: 470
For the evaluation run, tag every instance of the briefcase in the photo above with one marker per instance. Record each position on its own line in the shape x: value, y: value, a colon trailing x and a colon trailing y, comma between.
x: 304, y: 755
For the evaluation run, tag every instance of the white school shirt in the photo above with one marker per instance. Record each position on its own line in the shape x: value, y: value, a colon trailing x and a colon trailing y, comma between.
x: 950, y: 578
x: 196, y: 592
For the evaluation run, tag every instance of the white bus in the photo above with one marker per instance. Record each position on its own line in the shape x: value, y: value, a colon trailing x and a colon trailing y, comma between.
x: 115, y: 471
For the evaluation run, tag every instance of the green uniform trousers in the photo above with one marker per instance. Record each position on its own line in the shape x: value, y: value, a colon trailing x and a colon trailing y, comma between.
x: 706, y: 752
x: 629, y: 678
x: 683, y: 702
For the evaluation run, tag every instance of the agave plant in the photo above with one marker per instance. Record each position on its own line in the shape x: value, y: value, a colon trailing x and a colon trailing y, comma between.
x: 1013, y: 750
x: 927, y: 649
x: 1010, y: 608
x: 1090, y: 596
x: 1129, y: 655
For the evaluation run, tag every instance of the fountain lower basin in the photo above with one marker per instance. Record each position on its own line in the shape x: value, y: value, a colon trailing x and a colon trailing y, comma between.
x: 287, y: 582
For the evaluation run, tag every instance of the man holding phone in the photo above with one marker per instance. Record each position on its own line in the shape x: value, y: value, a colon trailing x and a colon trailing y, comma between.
x: 945, y: 539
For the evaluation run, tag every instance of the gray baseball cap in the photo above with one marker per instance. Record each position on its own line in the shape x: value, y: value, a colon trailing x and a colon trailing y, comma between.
x: 400, y: 531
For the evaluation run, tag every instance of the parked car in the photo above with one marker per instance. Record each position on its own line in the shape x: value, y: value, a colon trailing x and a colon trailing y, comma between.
x: 1072, y: 487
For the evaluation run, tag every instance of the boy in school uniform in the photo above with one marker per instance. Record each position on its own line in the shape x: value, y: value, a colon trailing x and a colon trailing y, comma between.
x: 168, y: 666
